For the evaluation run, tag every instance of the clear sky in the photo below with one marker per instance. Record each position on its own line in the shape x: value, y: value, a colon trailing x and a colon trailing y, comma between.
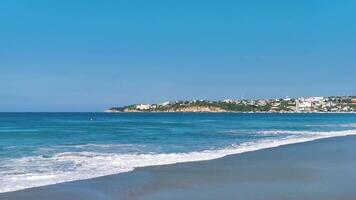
x: 90, y: 55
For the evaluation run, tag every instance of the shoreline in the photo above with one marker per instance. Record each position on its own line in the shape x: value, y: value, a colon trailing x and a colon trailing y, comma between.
x: 206, y: 155
x: 116, y: 179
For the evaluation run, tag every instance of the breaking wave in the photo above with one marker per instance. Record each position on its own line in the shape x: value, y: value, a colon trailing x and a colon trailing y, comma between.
x: 34, y: 171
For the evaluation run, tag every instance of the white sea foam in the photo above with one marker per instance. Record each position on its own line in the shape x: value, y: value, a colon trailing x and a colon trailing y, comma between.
x: 288, y: 132
x: 349, y: 125
x: 298, y: 132
x: 37, y: 171
x: 81, y: 146
x: 352, y: 125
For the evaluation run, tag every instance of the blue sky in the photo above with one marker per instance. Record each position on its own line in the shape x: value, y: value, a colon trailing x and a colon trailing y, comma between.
x: 90, y: 55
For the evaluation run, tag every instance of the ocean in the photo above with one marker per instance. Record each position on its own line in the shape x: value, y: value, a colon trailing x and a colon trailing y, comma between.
x: 38, y: 149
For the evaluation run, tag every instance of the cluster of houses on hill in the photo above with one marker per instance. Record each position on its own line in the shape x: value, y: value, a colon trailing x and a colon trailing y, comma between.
x: 305, y: 104
x: 302, y: 104
x: 332, y: 104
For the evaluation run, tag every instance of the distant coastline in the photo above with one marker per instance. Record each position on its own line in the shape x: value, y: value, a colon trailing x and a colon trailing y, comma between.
x: 333, y: 104
x: 254, y: 112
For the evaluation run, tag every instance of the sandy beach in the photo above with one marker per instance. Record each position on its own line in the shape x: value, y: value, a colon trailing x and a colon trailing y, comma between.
x: 322, y: 169
x: 177, y: 100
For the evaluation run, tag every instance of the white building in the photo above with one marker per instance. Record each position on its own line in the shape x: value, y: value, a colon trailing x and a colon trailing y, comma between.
x: 310, y: 103
x: 165, y: 103
x: 143, y: 106
x: 312, y: 99
x: 228, y: 101
x: 303, y: 104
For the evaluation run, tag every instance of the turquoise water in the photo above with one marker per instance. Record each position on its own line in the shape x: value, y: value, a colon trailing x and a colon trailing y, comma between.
x: 45, y: 148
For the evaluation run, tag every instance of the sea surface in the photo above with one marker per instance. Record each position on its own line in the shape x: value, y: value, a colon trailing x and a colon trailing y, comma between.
x: 39, y: 149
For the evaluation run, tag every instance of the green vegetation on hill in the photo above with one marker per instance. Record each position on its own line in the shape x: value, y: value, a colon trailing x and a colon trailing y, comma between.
x: 314, y: 104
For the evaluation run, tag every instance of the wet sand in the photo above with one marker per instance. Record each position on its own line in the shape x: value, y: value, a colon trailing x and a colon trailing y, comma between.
x: 323, y: 169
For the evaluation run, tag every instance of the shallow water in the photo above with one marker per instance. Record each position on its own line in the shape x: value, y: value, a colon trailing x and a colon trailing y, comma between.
x: 45, y: 148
